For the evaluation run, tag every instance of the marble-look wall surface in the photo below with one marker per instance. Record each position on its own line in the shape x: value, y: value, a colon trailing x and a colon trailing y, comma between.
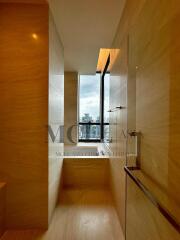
x: 56, y: 114
x: 154, y: 58
x: 151, y: 29
x: 70, y: 108
x: 2, y: 207
x: 118, y: 127
x: 24, y: 1
x: 24, y: 113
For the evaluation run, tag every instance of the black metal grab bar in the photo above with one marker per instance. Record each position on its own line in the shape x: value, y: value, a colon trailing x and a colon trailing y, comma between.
x: 171, y: 219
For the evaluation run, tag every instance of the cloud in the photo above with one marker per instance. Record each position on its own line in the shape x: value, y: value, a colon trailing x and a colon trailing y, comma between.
x: 89, y: 95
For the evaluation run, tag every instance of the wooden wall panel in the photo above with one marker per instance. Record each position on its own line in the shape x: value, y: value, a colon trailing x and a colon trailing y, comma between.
x: 70, y: 106
x: 144, y: 222
x: 24, y: 113
x: 153, y: 108
x: 24, y: 1
x: 56, y: 114
x: 2, y: 207
x: 118, y: 125
x: 156, y: 62
x: 89, y: 172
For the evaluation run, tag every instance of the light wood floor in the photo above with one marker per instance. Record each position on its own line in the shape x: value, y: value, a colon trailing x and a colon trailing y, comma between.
x: 82, y: 214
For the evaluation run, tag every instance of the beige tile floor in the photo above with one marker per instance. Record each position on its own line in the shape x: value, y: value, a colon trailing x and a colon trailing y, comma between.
x: 82, y: 214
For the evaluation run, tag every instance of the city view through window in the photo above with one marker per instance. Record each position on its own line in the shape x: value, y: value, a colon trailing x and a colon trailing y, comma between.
x: 89, y: 107
x: 106, y: 106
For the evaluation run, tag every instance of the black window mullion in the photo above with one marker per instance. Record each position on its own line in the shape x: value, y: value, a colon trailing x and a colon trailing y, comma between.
x: 102, y: 99
x: 102, y: 123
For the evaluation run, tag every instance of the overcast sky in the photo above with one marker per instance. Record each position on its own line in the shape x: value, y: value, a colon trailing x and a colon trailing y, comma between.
x: 89, y: 95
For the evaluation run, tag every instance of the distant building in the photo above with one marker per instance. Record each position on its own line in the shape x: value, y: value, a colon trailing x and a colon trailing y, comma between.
x: 89, y: 131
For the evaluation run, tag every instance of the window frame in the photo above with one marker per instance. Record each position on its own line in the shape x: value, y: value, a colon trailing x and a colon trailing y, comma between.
x: 101, y: 123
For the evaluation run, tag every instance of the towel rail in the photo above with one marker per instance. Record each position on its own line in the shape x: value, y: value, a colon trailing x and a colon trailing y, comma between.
x: 171, y: 219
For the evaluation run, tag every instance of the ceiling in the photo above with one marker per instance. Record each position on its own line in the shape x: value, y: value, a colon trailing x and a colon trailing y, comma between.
x: 84, y: 27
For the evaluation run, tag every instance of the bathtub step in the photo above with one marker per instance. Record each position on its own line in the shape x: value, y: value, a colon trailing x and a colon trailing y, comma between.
x: 86, y: 172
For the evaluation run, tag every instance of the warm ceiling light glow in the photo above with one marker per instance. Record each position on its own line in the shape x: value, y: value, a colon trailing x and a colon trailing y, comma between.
x: 114, y: 54
x: 35, y: 36
x: 103, y: 56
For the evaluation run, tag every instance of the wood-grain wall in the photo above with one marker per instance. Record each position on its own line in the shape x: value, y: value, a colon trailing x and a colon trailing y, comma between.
x: 56, y: 114
x: 151, y: 28
x: 70, y: 108
x: 24, y: 1
x: 86, y: 172
x: 2, y: 207
x: 118, y: 127
x: 24, y: 113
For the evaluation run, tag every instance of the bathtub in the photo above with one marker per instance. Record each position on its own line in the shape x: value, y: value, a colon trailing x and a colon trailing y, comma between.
x: 80, y: 151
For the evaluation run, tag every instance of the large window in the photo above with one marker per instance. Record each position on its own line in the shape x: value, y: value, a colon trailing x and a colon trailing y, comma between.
x: 89, y: 107
x: 93, y: 106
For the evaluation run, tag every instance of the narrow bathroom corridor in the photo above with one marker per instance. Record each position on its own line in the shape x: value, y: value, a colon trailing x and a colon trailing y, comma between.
x: 85, y: 209
x: 89, y: 120
x: 82, y: 214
